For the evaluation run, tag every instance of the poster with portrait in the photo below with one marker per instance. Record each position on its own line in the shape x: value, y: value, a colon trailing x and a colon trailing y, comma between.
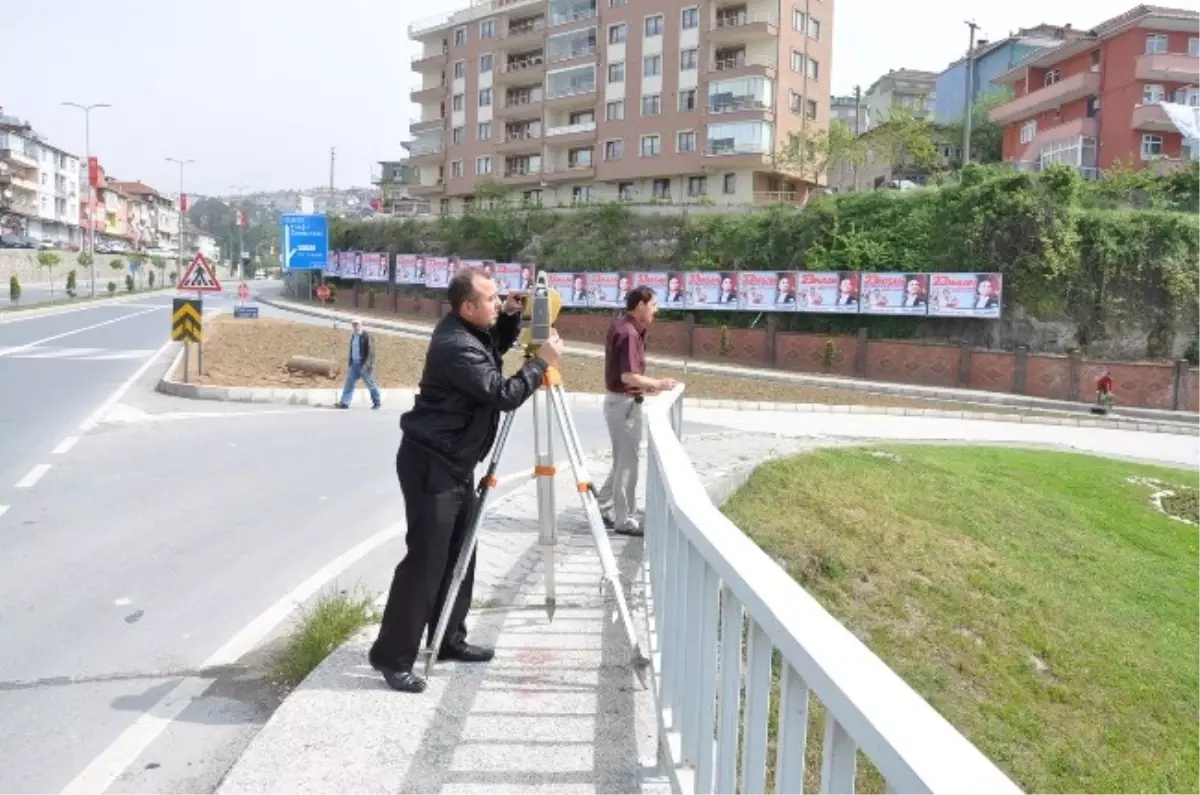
x: 374, y: 267
x: 767, y: 291
x: 407, y: 270
x: 604, y: 290
x: 563, y: 284
x: 712, y: 289
x: 674, y: 294
x: 331, y: 265
x: 575, y: 290
x: 437, y: 272
x: 349, y: 265
x: 488, y: 266
x: 965, y: 295
x: 834, y: 292
x: 507, y: 276
x: 656, y: 281
x: 895, y: 293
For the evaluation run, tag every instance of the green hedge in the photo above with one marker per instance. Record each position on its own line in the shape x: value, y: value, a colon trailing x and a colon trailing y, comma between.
x: 1068, y: 248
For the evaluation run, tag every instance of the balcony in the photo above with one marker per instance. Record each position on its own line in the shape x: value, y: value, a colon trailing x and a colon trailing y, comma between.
x: 20, y: 183
x: 531, y: 175
x: 582, y: 47
x: 1168, y: 67
x: 426, y: 152
x: 432, y: 189
x: 571, y: 95
x: 728, y: 67
x: 1076, y: 128
x: 561, y: 172
x: 522, y: 69
x: 523, y: 34
x: 562, y: 134
x: 426, y: 125
x: 1152, y: 118
x: 526, y: 141
x: 743, y: 26
x: 1047, y: 98
x: 753, y: 107
x: 561, y: 13
x: 522, y: 107
x: 432, y: 62
x: 422, y: 96
x: 19, y: 158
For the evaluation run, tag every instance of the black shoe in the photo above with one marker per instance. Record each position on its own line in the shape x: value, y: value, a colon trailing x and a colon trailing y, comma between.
x: 465, y: 652
x: 635, y: 531
x: 402, y: 679
x: 377, y: 406
x: 609, y: 522
x: 340, y: 406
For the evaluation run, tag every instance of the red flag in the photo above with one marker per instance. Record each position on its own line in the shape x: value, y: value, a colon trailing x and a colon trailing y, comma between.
x: 183, y: 202
x: 241, y: 218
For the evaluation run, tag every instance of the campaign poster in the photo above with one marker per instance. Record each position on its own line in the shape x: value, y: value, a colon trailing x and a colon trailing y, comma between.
x: 528, y: 274
x: 656, y: 281
x: 965, y: 295
x: 374, y: 267
x: 575, y: 294
x: 488, y: 266
x: 827, y: 292
x: 768, y: 291
x: 349, y: 265
x: 604, y: 290
x: 331, y: 265
x: 407, y: 270
x: 895, y: 293
x: 507, y: 276
x: 437, y: 272
x: 674, y: 295
x: 563, y: 284
x: 713, y: 289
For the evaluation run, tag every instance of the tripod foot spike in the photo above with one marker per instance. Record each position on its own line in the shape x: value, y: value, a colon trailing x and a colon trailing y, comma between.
x: 429, y: 658
x: 641, y: 667
x: 551, y: 606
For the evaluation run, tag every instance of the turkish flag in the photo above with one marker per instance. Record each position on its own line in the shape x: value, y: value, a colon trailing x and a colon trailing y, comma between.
x: 183, y: 202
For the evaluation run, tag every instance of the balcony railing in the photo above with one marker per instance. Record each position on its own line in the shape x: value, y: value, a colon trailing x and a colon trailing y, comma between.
x: 418, y: 149
x: 1168, y: 67
x: 582, y: 51
x: 570, y: 129
x: 741, y: 62
x: 707, y: 587
x: 570, y: 91
x: 423, y: 57
x: 738, y: 104
x: 523, y: 99
x: 572, y: 16
x: 522, y: 135
x: 719, y: 148
x: 734, y: 21
x: 1047, y: 98
x: 521, y: 64
x: 524, y: 29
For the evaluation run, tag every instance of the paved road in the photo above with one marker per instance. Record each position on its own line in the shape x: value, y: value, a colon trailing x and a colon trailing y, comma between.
x: 132, y: 564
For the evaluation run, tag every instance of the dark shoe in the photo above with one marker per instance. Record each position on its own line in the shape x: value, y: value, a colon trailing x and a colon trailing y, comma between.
x: 609, y: 522
x: 377, y: 406
x: 633, y: 530
x: 400, y: 679
x: 465, y: 652
x: 340, y: 406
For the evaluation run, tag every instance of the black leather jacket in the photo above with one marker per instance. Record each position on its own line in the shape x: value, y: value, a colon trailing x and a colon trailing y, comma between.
x: 463, y: 390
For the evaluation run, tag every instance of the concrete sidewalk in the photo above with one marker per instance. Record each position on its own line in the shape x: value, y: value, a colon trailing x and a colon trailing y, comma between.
x: 558, y: 710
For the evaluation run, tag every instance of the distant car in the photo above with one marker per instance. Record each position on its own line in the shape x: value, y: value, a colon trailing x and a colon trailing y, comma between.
x: 18, y: 241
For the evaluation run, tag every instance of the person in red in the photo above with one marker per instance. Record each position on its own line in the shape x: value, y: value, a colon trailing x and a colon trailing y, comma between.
x: 1104, y: 390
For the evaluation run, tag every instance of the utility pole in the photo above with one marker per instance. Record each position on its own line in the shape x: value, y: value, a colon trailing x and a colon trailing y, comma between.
x: 90, y: 245
x: 240, y: 189
x: 970, y: 95
x: 858, y: 130
x: 182, y: 213
x: 332, y: 159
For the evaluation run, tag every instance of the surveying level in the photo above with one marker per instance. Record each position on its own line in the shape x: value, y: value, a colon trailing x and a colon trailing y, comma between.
x: 549, y: 409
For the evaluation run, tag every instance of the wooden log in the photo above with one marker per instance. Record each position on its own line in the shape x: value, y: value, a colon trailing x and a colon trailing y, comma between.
x: 312, y: 365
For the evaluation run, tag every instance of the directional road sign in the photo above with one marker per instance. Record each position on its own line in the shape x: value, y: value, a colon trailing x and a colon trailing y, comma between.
x: 200, y: 277
x: 305, y: 241
x: 187, y: 320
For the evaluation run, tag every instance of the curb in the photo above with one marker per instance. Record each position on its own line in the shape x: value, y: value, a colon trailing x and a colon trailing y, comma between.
x: 822, y: 382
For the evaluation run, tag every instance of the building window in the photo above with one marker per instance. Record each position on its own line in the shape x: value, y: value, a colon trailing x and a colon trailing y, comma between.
x: 581, y: 193
x: 654, y: 26
x: 456, y: 169
x: 1051, y: 77
x: 616, y: 3
x: 814, y: 70
x: 797, y: 19
x: 651, y: 145
x: 1156, y: 43
x: 690, y: 18
x: 730, y: 185
x: 485, y: 97
x: 798, y: 62
x: 1095, y: 60
x: 460, y: 70
x: 1093, y: 107
x: 688, y: 60
x: 457, y: 102
x: 487, y: 28
x: 618, y: 33
x: 616, y: 72
x: 614, y: 149
x: 615, y: 111
x: 661, y: 189
x: 652, y: 66
x: 1152, y: 147
x: 814, y: 29
x: 460, y: 37
x: 484, y: 131
x: 456, y: 136
x: 810, y: 109
x: 1153, y: 93
x: 1028, y: 131
x: 652, y: 105
x: 483, y: 166
x: 685, y: 141
x: 625, y: 191
x: 1194, y: 47
x: 687, y: 99
x: 697, y: 186
x: 485, y: 63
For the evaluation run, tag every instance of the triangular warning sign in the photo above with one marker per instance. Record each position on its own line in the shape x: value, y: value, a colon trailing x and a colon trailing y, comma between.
x: 200, y: 277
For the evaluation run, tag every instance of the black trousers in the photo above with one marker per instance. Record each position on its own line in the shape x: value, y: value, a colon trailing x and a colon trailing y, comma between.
x: 439, y: 505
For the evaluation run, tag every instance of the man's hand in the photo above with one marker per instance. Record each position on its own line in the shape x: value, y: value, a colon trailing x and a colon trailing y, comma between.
x: 667, y: 384
x: 550, y: 352
x: 515, y: 301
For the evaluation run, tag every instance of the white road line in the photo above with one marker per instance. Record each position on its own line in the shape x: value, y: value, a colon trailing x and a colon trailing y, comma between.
x: 35, y: 474
x: 36, y: 343
x: 99, y: 413
x: 104, y: 770
x: 65, y: 445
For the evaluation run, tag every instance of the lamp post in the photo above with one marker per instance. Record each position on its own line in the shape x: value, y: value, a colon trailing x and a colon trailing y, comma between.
x: 240, y: 189
x: 182, y: 163
x: 87, y: 154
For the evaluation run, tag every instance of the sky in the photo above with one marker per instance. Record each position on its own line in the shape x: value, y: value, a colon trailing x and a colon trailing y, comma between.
x: 257, y: 91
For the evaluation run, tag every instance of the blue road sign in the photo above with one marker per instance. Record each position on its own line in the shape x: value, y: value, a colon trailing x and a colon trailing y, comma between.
x: 305, y: 241
x: 245, y: 312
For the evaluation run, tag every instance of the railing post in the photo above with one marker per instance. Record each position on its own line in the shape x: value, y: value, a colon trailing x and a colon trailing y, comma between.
x: 730, y: 705
x: 680, y: 615
x: 666, y: 615
x: 758, y: 694
x: 692, y: 654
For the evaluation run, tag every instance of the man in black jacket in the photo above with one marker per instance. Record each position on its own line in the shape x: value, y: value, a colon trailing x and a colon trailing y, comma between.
x: 450, y: 429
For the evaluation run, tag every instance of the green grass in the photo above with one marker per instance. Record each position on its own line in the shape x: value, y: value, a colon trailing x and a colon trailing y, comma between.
x: 320, y: 629
x: 1036, y: 599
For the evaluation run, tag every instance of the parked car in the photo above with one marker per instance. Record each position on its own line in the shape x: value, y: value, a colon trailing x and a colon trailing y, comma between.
x: 18, y: 241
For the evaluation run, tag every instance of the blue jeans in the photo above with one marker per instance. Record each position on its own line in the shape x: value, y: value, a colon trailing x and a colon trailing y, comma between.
x: 354, y: 372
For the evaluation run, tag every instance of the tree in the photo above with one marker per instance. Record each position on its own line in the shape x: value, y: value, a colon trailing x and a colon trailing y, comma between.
x: 117, y: 265
x: 813, y: 155
x: 987, y: 137
x: 47, y: 260
x: 905, y: 142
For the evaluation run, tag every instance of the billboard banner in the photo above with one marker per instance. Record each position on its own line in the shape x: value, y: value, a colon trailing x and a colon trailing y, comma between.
x: 712, y: 290
x: 410, y: 269
x: 331, y: 265
x: 656, y: 281
x: 965, y: 294
x: 374, y: 267
x: 349, y: 265
x: 437, y: 272
x: 895, y: 293
x: 604, y: 290
x: 563, y: 284
x: 507, y: 276
x: 827, y: 292
x: 768, y: 291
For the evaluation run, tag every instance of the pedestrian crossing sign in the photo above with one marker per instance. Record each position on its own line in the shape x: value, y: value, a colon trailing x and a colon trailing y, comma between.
x: 200, y: 277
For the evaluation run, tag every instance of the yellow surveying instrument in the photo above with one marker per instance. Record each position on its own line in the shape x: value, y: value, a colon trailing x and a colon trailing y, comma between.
x: 549, y: 409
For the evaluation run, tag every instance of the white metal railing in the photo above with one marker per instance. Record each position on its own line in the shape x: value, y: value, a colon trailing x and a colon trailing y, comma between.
x: 423, y: 56
x: 743, y: 19
x: 707, y: 582
x: 740, y: 62
x: 571, y: 90
x: 581, y: 51
x: 570, y: 129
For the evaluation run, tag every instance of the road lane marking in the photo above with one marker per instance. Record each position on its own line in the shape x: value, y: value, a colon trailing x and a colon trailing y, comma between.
x: 36, y: 343
x: 105, y: 769
x: 65, y: 445
x: 35, y: 474
x: 99, y: 413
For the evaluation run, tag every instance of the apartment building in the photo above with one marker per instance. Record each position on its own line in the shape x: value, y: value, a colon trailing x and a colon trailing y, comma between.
x: 39, y: 185
x: 153, y: 217
x: 582, y: 100
x: 1115, y: 95
x: 912, y: 89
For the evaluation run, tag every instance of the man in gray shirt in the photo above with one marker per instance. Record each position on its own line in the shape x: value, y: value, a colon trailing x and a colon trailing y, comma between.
x: 361, y: 364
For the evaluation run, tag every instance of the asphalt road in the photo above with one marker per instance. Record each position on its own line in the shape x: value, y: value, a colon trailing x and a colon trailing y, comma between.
x: 156, y: 549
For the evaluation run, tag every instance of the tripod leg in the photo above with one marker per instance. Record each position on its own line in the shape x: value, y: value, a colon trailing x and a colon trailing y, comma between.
x: 486, y: 485
x: 543, y: 441
x: 591, y: 507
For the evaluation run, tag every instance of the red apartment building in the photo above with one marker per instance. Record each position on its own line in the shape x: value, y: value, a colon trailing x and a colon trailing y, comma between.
x: 1096, y: 101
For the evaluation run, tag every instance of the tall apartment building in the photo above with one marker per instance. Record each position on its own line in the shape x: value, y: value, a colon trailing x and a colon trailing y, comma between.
x: 1097, y: 100
x: 39, y: 185
x: 579, y: 100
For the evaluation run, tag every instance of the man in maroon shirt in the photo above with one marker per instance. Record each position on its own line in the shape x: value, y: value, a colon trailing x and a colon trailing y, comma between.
x: 626, y: 384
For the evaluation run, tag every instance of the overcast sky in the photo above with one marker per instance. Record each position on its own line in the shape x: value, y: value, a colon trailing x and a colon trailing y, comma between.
x: 257, y: 91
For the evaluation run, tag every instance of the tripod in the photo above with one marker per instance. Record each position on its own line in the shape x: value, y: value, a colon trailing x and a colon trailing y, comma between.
x: 549, y: 408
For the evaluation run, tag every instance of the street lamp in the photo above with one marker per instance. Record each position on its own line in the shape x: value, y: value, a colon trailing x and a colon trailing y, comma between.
x: 182, y: 163
x: 240, y: 190
x: 87, y: 154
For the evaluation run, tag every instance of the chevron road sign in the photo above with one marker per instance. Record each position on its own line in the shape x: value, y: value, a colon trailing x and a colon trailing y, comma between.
x: 187, y: 320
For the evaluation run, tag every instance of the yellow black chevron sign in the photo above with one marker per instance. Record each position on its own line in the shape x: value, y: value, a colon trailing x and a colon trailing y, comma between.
x: 187, y: 320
